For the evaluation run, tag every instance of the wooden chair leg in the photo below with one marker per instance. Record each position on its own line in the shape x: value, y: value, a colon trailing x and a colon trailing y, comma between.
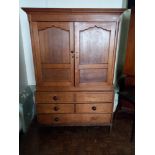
x: 110, y: 130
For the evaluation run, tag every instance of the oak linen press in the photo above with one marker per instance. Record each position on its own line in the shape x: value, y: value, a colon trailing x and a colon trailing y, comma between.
x: 74, y: 54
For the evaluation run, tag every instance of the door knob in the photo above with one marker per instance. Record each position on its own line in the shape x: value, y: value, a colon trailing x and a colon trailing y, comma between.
x: 56, y: 108
x: 55, y: 98
x: 94, y: 108
x: 56, y: 119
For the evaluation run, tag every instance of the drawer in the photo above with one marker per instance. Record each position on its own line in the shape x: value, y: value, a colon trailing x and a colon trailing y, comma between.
x: 94, y: 97
x: 75, y: 119
x: 55, y: 108
x: 48, y: 97
x: 94, y: 108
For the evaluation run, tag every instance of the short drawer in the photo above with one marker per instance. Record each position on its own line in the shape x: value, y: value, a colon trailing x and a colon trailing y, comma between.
x: 48, y: 97
x: 75, y: 119
x: 55, y: 108
x: 94, y: 108
x: 94, y: 97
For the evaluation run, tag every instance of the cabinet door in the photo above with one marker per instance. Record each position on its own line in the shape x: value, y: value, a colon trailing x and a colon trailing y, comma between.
x: 53, y: 46
x: 94, y: 53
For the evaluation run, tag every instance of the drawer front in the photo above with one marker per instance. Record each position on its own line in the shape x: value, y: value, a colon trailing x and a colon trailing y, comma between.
x: 94, y: 108
x: 74, y: 119
x: 55, y: 108
x: 94, y: 97
x: 47, y: 97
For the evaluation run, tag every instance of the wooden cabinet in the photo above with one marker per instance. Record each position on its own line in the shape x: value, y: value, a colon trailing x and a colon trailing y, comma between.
x: 74, y: 56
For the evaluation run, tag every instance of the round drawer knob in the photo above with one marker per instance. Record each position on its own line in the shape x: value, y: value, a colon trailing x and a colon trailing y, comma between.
x: 56, y: 119
x: 56, y: 108
x: 94, y: 108
x: 55, y: 98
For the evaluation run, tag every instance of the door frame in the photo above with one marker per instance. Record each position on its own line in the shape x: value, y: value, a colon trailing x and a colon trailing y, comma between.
x: 109, y: 26
x: 67, y: 26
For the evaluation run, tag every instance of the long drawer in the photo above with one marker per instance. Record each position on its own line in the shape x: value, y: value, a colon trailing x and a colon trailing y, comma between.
x: 94, y: 97
x: 58, y: 97
x: 68, y: 97
x: 74, y: 119
x: 94, y: 108
x: 55, y: 108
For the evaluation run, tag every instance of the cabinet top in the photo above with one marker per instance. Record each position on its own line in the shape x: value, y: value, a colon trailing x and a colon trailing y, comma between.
x: 75, y: 10
x: 73, y: 14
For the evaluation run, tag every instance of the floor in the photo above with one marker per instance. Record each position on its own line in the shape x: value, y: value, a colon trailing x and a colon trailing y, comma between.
x: 79, y: 140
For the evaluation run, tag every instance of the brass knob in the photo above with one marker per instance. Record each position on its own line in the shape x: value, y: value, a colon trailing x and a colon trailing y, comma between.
x: 56, y: 119
x: 55, y: 98
x: 94, y: 108
x: 56, y: 108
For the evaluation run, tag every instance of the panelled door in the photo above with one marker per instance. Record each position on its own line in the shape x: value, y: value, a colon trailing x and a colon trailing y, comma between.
x: 94, y: 53
x: 53, y: 49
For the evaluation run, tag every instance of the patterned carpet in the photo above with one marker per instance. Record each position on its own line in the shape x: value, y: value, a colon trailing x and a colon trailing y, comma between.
x: 79, y: 140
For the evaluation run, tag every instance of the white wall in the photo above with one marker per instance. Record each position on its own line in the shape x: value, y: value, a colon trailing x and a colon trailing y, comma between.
x: 22, y: 67
x: 25, y: 34
x: 74, y: 3
x: 55, y: 4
